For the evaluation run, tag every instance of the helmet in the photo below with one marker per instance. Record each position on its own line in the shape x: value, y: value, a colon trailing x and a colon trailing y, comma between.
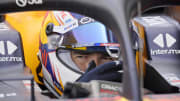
x: 63, y: 32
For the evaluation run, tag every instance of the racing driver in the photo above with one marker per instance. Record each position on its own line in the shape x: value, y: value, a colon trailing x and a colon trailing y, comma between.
x: 73, y: 48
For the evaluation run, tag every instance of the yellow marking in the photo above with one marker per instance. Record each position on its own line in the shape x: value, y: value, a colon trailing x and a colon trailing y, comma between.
x: 28, y: 24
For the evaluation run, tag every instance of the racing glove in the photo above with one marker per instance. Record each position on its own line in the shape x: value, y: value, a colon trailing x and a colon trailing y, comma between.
x: 107, y: 72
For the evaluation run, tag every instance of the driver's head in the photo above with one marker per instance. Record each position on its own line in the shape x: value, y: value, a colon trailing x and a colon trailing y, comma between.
x: 69, y: 42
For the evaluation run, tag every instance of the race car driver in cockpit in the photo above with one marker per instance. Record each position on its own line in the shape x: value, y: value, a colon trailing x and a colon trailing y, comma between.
x: 76, y: 48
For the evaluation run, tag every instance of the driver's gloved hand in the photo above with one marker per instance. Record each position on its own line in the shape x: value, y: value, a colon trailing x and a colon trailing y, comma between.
x: 107, y: 72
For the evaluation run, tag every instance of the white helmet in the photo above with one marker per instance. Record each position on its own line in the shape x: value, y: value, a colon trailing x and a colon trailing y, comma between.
x: 63, y: 32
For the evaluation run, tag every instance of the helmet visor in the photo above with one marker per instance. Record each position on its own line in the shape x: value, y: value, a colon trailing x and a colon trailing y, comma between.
x: 91, y: 34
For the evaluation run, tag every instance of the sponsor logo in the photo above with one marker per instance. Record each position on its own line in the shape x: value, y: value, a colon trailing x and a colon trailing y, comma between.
x: 167, y: 41
x: 110, y: 44
x: 4, y: 95
x: 11, y: 48
x: 63, y: 17
x: 23, y: 3
x: 10, y: 59
x: 160, y: 41
x: 66, y: 20
x: 165, y: 51
x: 82, y: 45
x: 66, y: 28
x: 86, y: 20
x: 3, y: 26
x: 155, y: 20
x: 110, y: 87
x: 70, y: 26
x: 172, y: 78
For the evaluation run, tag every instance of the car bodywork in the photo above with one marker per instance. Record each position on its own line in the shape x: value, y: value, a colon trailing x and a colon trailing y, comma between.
x: 161, y: 52
x: 12, y: 65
